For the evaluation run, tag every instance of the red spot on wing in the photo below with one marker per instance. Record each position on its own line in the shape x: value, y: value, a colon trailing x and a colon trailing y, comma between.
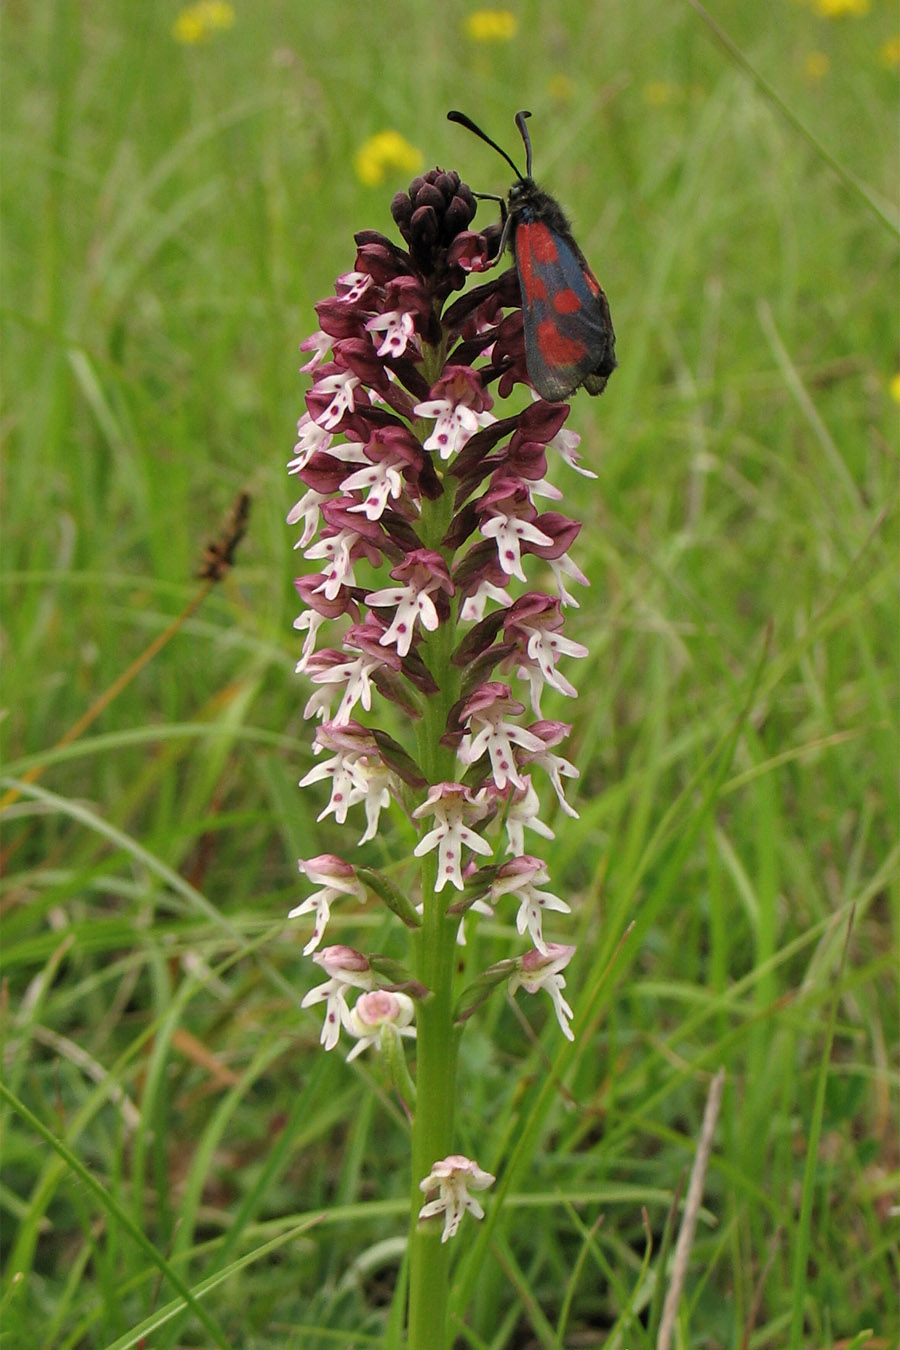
x: 529, y: 262
x: 566, y: 302
x: 525, y: 263
x: 592, y: 280
x: 556, y: 349
x: 543, y: 244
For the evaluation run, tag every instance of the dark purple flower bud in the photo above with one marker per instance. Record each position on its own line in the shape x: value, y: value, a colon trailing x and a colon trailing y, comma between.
x: 309, y: 588
x: 339, y: 514
x: 489, y: 696
x: 561, y: 530
x: 460, y: 211
x: 408, y: 294
x: 508, y: 355
x: 358, y: 354
x: 340, y: 320
x: 423, y: 228
x: 462, y: 384
x: 551, y: 733
x: 469, y: 251
x: 469, y: 463
x: 380, y: 258
x: 366, y: 637
x: 489, y: 298
x: 479, y: 564
x: 531, y: 608
x: 323, y: 472
x: 480, y: 637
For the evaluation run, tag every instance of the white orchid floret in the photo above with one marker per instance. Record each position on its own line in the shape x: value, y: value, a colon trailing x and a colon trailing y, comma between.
x: 555, y: 766
x: 542, y: 970
x: 474, y: 605
x: 566, y: 443
x: 486, y: 714
x: 424, y: 573
x: 347, y: 969
x: 352, y: 679
x: 382, y: 482
x: 450, y: 804
x: 319, y: 344
x: 519, y: 811
x: 310, y: 439
x: 564, y: 567
x: 454, y: 1176
x: 377, y: 1015
x: 398, y: 327
x: 509, y: 530
x: 461, y: 405
x: 342, y: 387
x: 335, y: 878
x: 336, y: 552
x: 455, y: 424
x: 350, y: 287
x: 309, y: 510
x: 356, y: 770
x: 522, y: 877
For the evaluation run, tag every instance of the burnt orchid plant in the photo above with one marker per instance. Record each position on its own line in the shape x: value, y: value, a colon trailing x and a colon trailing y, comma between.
x: 432, y: 624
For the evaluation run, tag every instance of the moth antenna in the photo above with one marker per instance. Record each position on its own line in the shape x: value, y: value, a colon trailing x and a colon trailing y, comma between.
x: 467, y: 122
x: 523, y: 132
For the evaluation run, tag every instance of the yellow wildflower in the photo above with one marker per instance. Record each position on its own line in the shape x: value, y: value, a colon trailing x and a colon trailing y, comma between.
x: 198, y: 22
x: 817, y: 65
x: 890, y: 53
x: 658, y: 92
x: 561, y: 88
x: 383, y: 154
x: 835, y: 9
x: 894, y: 387
x: 491, y: 25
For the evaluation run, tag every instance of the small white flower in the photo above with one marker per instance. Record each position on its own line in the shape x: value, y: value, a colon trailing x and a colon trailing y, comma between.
x: 509, y: 531
x: 336, y: 552
x: 310, y: 438
x: 397, y: 326
x: 377, y: 1015
x: 380, y: 481
x: 518, y: 877
x: 456, y: 423
x: 335, y: 877
x: 541, y: 970
x: 341, y: 387
x: 564, y: 566
x: 319, y: 344
x: 410, y: 603
x: 566, y: 443
x: 449, y: 803
x: 308, y: 509
x: 347, y: 969
x: 352, y: 286
x: 474, y: 605
x: 454, y: 1176
x: 488, y: 730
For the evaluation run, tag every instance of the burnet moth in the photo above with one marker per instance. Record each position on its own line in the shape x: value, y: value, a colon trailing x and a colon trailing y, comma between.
x: 569, y: 338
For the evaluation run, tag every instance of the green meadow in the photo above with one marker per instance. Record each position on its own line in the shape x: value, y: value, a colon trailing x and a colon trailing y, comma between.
x: 182, y: 1166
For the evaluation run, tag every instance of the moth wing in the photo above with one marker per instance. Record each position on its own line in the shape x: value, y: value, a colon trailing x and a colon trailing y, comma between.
x: 569, y: 338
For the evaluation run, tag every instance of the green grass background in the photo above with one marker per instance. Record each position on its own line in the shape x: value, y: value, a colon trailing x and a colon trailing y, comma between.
x: 170, y: 1127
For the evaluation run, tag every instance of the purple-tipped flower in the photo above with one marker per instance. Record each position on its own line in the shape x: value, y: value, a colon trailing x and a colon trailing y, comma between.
x: 454, y: 1176
x: 543, y: 970
x: 346, y: 969
x: 420, y: 517
x: 378, y: 1016
x: 335, y: 878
